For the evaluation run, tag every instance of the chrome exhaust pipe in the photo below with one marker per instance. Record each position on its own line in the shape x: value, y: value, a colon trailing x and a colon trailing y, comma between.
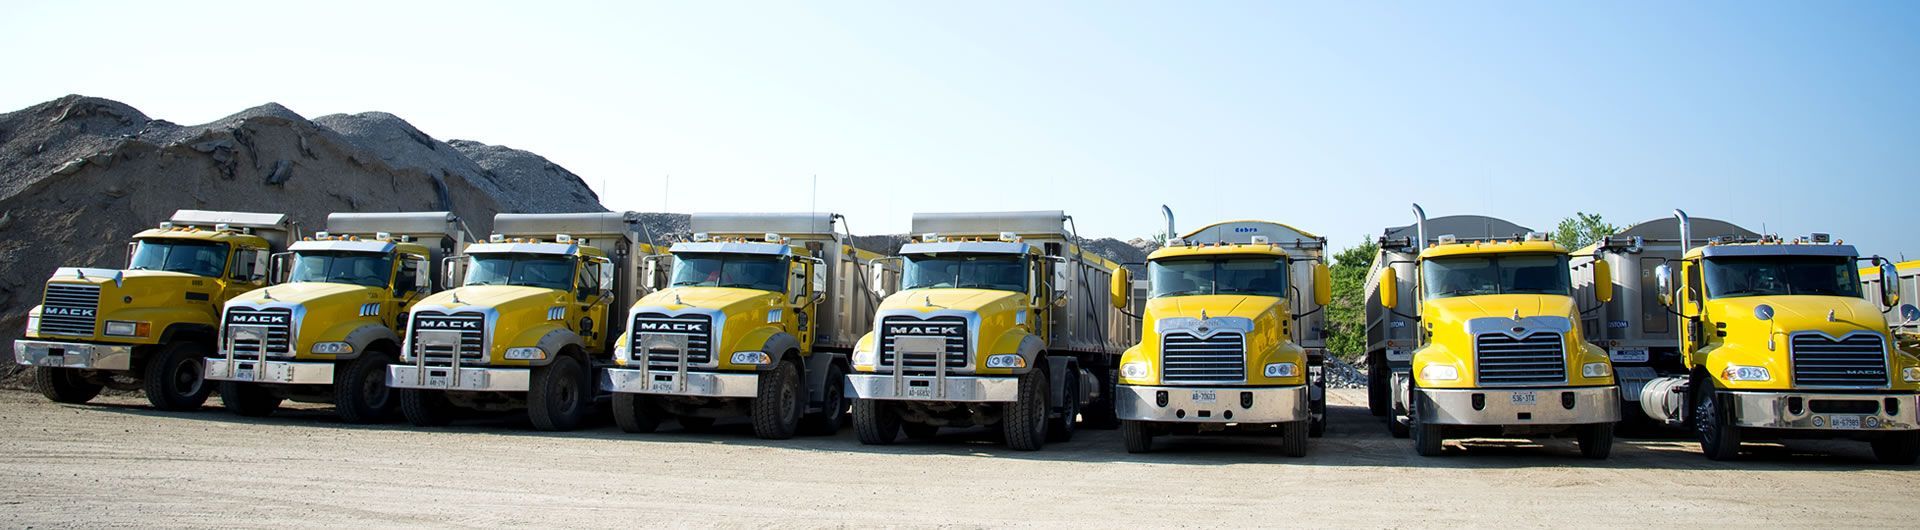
x: 1420, y: 228
x: 1168, y: 214
x: 1686, y: 230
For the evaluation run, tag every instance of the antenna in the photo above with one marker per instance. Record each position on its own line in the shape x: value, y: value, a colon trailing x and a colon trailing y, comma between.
x: 665, y: 187
x: 813, y: 196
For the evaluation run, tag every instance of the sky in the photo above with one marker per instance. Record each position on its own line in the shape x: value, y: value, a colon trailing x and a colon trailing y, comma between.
x: 1331, y: 117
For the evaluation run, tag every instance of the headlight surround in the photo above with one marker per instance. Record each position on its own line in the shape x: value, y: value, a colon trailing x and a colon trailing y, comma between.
x: 1911, y: 374
x: 1282, y: 370
x: 33, y: 323
x: 751, y: 357
x: 526, y: 354
x: 863, y: 358
x: 332, y: 348
x: 1440, y: 372
x: 1134, y: 370
x: 1006, y: 360
x: 1736, y: 372
x: 1596, y: 370
x: 126, y: 328
x: 620, y: 353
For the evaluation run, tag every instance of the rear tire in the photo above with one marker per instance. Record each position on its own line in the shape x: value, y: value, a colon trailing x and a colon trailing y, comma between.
x: 1379, y: 389
x: 635, y: 413
x: 1100, y: 413
x: 425, y: 408
x: 248, y: 399
x: 833, y: 405
x: 1060, y: 430
x: 1897, y: 448
x: 176, y: 377
x: 64, y: 385
x: 561, y: 396
x: 1317, y: 415
x: 1719, y: 438
x: 360, y: 392
x: 1138, y: 435
x: 1026, y: 422
x: 874, y: 422
x: 777, y: 405
x: 1294, y: 434
x: 1596, y: 441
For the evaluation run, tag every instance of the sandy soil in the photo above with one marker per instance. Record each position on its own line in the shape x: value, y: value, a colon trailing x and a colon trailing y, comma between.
x: 117, y: 463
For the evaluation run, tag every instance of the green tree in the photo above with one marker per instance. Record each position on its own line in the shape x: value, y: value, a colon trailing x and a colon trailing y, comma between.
x: 1347, y: 314
x: 1581, y: 230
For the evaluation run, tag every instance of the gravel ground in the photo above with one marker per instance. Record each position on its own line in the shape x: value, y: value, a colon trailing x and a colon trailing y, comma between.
x: 118, y: 463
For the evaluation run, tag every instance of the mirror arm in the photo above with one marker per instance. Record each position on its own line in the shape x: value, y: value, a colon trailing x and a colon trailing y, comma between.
x: 1415, y: 318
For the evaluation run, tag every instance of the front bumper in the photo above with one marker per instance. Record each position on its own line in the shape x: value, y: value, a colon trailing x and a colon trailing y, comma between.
x: 1520, y: 406
x: 677, y: 383
x: 968, y: 388
x: 1795, y: 410
x: 275, y: 372
x: 78, y: 355
x: 468, y: 379
x: 1230, y: 404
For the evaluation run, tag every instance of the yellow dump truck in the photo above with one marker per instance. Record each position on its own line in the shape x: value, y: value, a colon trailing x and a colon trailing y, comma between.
x: 757, y: 320
x: 529, y: 326
x: 1779, y: 342
x: 1002, y: 320
x: 326, y: 332
x: 1497, y: 351
x: 1220, y: 346
x: 152, y: 325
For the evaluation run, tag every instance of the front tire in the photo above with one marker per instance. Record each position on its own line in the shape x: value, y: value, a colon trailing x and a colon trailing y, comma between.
x: 1428, y: 439
x: 874, y: 422
x: 1138, y: 436
x: 777, y: 405
x: 1026, y: 423
x: 176, y: 377
x: 1596, y: 441
x: 360, y: 392
x: 1897, y: 448
x: 1719, y: 438
x: 425, y: 408
x: 561, y: 396
x: 635, y: 413
x: 247, y: 399
x: 64, y: 385
x: 1293, y: 438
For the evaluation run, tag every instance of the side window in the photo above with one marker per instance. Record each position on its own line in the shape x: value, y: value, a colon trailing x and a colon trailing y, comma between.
x: 248, y: 266
x: 589, y: 277
x: 409, y: 277
x: 1693, y: 282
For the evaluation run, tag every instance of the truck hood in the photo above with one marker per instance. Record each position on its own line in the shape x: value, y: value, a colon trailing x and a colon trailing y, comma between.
x: 307, y: 293
x: 499, y: 297
x: 1214, y: 306
x: 1797, y: 313
x: 976, y: 300
x: 725, y: 299
x: 1458, y: 310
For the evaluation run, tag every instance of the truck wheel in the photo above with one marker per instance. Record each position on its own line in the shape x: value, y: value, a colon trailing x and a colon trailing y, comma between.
x: 1379, y: 389
x: 1099, y: 413
x: 635, y: 413
x: 1317, y: 416
x: 560, y: 397
x: 696, y: 424
x: 1897, y: 448
x: 1060, y: 430
x: 176, y: 377
x: 1138, y: 435
x: 64, y: 385
x: 833, y: 406
x: 919, y: 431
x: 874, y: 422
x: 1719, y: 438
x: 360, y: 392
x: 1026, y: 423
x: 1428, y: 439
x: 1293, y: 438
x: 1596, y: 441
x: 425, y: 408
x: 777, y: 405
x: 247, y: 399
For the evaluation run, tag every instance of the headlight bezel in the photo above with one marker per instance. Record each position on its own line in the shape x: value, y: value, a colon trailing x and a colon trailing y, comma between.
x: 332, y: 348
x: 132, y: 328
x: 1006, y: 361
x: 864, y: 357
x: 1134, y: 370
x: 1281, y: 370
x: 1746, y: 374
x: 1911, y: 374
x: 1440, y: 372
x: 524, y: 354
x: 1596, y: 370
x: 750, y: 358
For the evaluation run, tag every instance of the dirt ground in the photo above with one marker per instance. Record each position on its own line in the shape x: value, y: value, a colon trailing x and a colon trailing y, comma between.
x: 118, y: 463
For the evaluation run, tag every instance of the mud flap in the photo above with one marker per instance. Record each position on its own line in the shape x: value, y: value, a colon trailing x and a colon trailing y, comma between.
x: 1059, y: 368
x: 817, y: 367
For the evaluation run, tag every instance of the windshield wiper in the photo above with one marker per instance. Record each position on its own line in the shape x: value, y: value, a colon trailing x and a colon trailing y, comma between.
x: 741, y: 286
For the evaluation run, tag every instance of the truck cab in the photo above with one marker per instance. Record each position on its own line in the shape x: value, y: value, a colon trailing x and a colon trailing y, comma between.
x: 1780, y: 342
x: 151, y: 325
x: 328, y: 331
x: 1498, y: 349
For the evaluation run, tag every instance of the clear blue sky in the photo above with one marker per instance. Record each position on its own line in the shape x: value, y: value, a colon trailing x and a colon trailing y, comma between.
x: 1804, y: 116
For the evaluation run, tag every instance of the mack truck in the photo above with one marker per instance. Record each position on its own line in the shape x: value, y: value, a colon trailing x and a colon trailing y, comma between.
x: 757, y: 320
x: 1222, y: 344
x: 330, y: 326
x: 1777, y: 341
x: 1495, y: 348
x: 528, y: 326
x: 1001, y: 321
x: 152, y: 325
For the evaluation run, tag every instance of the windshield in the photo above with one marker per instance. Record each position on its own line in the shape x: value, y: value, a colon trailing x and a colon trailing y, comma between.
x: 1476, y: 275
x: 358, y: 268
x: 765, y: 273
x: 530, y: 270
x: 1782, y: 275
x: 1000, y: 272
x: 1251, y: 276
x: 203, y: 258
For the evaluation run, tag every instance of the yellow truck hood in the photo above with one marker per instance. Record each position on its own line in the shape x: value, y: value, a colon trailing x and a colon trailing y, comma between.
x: 977, y: 300
x: 1458, y: 310
x: 1796, y: 313
x: 500, y: 297
x: 308, y: 293
x: 728, y: 300
x: 1215, y: 306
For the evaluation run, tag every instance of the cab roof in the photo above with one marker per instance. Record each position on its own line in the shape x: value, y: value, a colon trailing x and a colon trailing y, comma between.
x: 1773, y: 248
x: 195, y: 233
x: 1486, y: 248
x: 1225, y: 249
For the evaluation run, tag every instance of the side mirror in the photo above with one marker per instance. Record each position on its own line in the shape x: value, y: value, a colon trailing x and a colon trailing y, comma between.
x: 278, y: 267
x: 1602, y: 281
x: 1389, y: 288
x: 1120, y: 290
x: 1663, y: 281
x: 1889, y: 285
x: 1909, y: 314
x: 650, y: 272
x: 1061, y: 268
x: 132, y: 246
x: 422, y: 278
x: 608, y: 275
x: 877, y: 277
x: 1322, y: 285
x: 818, y: 269
x: 449, y: 272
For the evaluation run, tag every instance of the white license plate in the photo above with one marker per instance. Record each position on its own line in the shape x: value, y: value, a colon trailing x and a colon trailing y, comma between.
x: 1524, y: 399
x: 1846, y: 422
x: 1629, y: 356
x: 663, y: 386
x: 1204, y: 396
x: 439, y: 380
x: 925, y: 391
x: 243, y: 374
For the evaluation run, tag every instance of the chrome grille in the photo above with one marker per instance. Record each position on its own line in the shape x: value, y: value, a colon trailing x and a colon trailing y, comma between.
x: 70, y: 309
x: 1503, y: 360
x: 279, y: 326
x: 1858, y: 360
x: 473, y: 337
x: 697, y: 328
x: 953, y: 329
x: 1186, y: 358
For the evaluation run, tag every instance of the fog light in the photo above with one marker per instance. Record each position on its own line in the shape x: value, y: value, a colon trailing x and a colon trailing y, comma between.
x: 1246, y: 400
x: 332, y: 348
x: 1282, y: 370
x: 525, y: 354
x: 1006, y: 360
x: 1160, y: 398
x: 1746, y: 373
x: 1440, y: 372
x: 1595, y: 370
x: 1134, y: 370
x: 751, y: 357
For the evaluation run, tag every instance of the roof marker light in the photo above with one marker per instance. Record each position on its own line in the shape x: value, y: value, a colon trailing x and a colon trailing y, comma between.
x: 1447, y: 239
x: 496, y: 238
x: 383, y: 236
x: 563, y: 238
x: 1536, y: 236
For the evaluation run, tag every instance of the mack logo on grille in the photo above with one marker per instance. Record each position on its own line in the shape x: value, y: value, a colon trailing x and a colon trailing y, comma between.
x: 683, y: 327
x: 448, y: 324
x: 67, y: 311
x: 924, y: 330
x: 258, y: 319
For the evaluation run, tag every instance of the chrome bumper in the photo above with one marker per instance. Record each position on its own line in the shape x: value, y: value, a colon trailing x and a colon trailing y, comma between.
x: 1599, y: 404
x: 79, y: 355
x: 1776, y: 410
x: 977, y: 389
x: 676, y: 383
x: 463, y: 378
x: 275, y: 372
x: 1212, y: 404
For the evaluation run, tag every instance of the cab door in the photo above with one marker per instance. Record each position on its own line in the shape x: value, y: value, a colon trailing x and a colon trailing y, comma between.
x: 590, y: 303
x: 801, y: 309
x: 246, y: 271
x: 1689, y: 304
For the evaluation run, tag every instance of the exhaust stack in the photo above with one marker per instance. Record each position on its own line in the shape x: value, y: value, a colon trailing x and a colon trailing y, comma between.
x: 1420, y: 229
x: 1168, y: 213
x: 1686, y: 230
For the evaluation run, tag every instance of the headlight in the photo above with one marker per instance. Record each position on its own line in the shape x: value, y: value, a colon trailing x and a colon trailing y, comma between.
x: 863, y: 358
x: 1134, y: 370
x: 123, y: 328
x: 332, y: 348
x: 620, y: 353
x: 525, y: 354
x: 33, y: 323
x: 1440, y: 372
x: 1593, y: 370
x: 1911, y: 374
x: 751, y: 357
x: 1746, y: 373
x: 1006, y: 360
x: 1282, y: 370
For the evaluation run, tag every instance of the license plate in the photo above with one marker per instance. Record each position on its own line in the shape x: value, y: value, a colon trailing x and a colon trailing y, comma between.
x: 1204, y: 396
x: 663, y: 386
x: 1629, y: 356
x: 439, y: 379
x: 1846, y: 422
x: 243, y: 373
x: 1524, y: 399
x: 920, y: 391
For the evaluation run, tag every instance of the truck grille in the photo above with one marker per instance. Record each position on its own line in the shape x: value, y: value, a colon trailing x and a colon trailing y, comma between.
x: 1506, y: 361
x: 953, y: 329
x: 697, y: 328
x: 70, y: 309
x: 1185, y: 358
x: 278, y: 323
x: 1859, y: 360
x: 473, y: 337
